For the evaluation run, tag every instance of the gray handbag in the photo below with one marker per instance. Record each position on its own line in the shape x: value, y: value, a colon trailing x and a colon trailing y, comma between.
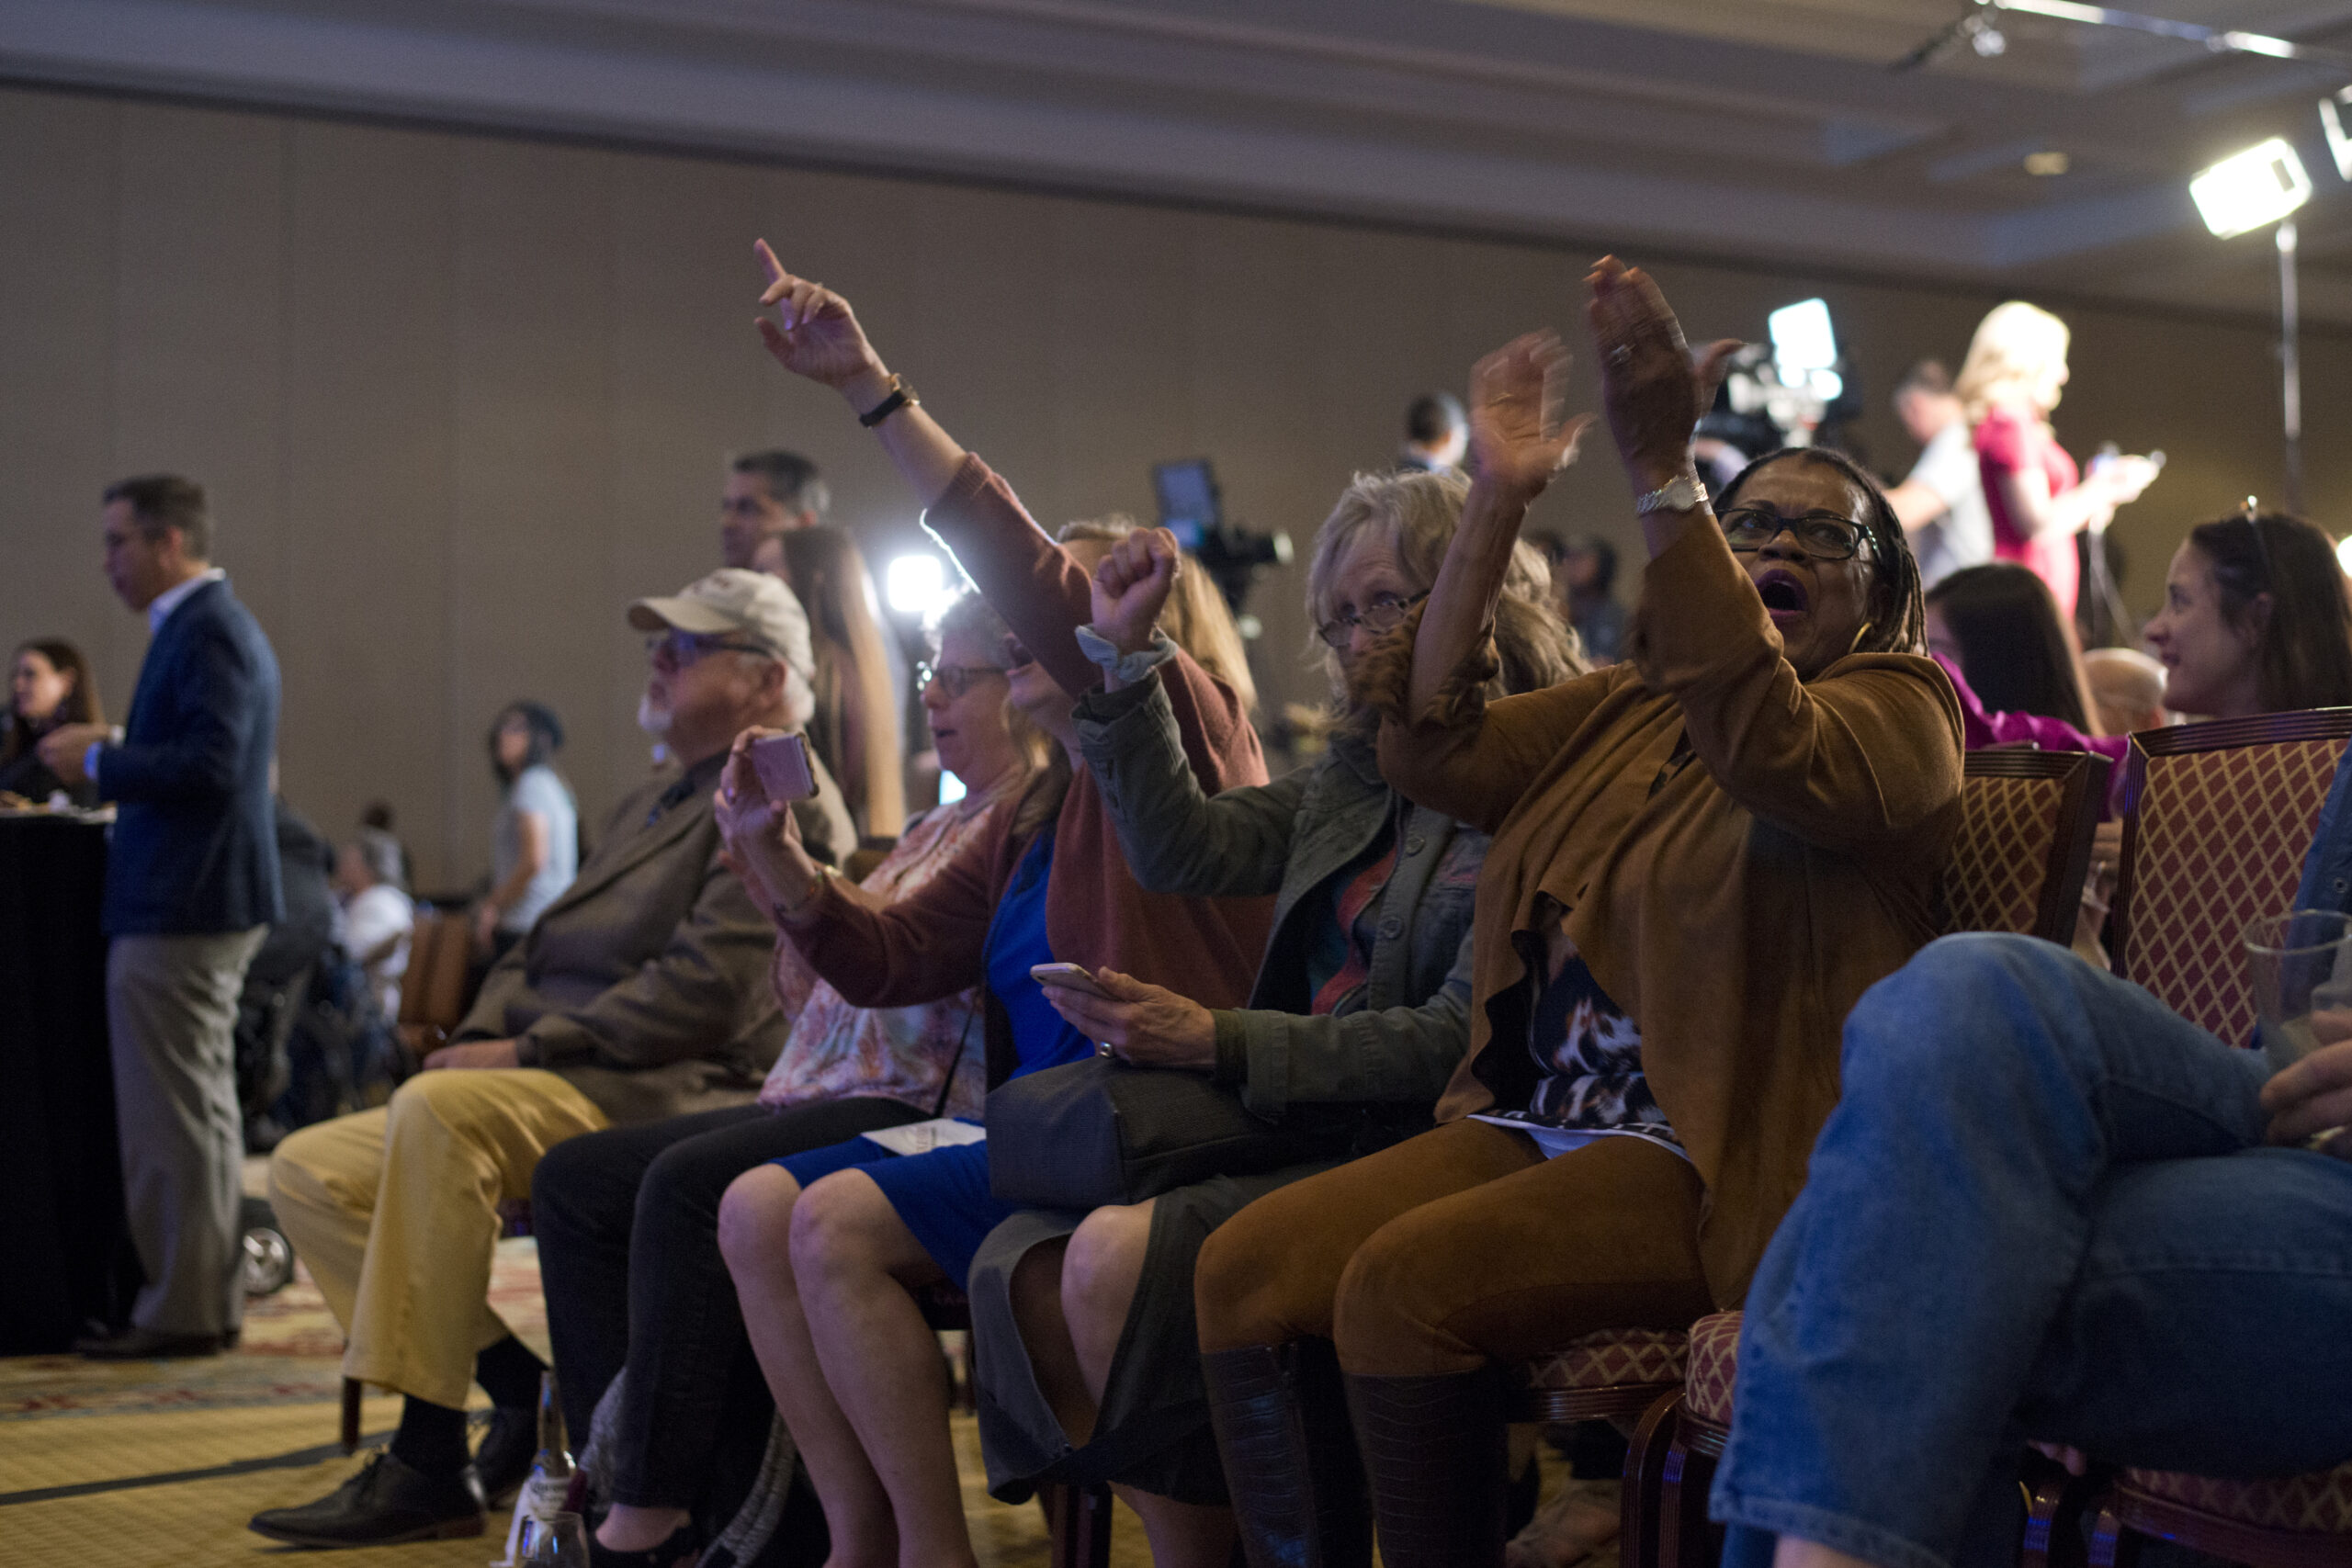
x: 1099, y: 1132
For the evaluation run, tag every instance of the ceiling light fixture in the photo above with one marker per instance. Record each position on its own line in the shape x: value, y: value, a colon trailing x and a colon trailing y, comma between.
x: 2046, y: 166
x: 1976, y: 25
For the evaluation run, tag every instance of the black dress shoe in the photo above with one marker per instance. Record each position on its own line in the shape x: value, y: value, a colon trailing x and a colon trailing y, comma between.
x: 388, y: 1502
x: 135, y: 1344
x: 509, y: 1443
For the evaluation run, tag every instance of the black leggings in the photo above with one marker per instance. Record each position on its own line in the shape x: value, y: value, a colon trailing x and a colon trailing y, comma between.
x: 627, y: 1228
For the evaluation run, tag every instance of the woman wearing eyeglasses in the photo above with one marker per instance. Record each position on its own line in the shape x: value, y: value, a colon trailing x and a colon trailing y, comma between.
x: 627, y: 1219
x: 1090, y: 1369
x: 1701, y: 858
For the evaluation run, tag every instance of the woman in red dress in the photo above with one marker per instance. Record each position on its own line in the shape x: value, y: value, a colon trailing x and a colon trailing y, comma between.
x: 2039, y: 499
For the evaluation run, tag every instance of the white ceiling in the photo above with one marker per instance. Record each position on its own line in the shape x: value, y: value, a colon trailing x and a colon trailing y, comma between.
x: 1770, y: 131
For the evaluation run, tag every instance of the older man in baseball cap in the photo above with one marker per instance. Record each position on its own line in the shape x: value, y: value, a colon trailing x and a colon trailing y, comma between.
x: 641, y: 993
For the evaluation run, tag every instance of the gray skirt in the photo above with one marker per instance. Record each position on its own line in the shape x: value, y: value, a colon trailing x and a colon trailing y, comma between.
x: 1153, y: 1431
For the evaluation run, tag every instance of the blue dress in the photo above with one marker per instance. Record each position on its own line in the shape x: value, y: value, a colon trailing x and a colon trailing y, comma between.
x: 943, y: 1196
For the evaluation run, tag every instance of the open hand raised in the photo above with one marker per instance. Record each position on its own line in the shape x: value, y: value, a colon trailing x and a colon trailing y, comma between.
x: 1131, y: 587
x: 1652, y: 390
x: 1518, y: 403
x: 813, y: 333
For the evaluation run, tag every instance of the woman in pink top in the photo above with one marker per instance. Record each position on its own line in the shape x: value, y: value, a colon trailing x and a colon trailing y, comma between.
x: 2038, y: 498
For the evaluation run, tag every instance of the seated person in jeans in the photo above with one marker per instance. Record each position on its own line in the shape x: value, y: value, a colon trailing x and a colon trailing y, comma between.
x: 2049, y: 1209
x: 641, y: 993
x: 627, y: 1220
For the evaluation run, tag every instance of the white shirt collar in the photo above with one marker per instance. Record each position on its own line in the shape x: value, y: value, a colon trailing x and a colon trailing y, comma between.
x: 169, y: 599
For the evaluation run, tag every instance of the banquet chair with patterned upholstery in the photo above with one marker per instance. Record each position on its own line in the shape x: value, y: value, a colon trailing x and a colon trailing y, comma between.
x: 2219, y: 818
x: 2018, y: 864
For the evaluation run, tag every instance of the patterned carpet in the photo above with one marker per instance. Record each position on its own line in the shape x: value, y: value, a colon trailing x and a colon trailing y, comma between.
x: 158, y: 1464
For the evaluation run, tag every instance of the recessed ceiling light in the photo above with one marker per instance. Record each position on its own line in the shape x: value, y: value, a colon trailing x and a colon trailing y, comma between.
x: 2047, y: 163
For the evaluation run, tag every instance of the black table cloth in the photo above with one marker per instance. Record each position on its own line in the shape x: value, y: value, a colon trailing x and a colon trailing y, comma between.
x: 64, y: 1249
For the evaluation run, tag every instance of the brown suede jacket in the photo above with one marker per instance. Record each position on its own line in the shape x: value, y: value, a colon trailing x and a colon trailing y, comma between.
x: 1740, y: 855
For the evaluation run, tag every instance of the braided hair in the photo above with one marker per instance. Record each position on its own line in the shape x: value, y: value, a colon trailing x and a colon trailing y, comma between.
x: 1897, y: 607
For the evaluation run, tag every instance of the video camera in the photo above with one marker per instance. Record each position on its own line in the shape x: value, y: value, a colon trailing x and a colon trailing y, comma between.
x: 1796, y: 391
x: 1191, y: 508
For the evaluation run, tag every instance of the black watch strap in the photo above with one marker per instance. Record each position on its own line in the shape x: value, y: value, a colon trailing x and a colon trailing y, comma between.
x: 901, y: 396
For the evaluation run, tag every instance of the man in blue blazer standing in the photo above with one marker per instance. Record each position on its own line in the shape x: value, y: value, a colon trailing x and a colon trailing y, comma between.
x: 192, y: 886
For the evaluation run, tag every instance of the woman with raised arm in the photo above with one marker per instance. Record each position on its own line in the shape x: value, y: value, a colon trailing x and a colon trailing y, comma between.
x: 627, y: 1219
x: 826, y: 1249
x: 1089, y: 1366
x: 1701, y: 858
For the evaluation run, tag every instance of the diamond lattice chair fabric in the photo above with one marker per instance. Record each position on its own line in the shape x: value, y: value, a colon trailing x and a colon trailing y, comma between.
x: 2216, y: 821
x: 2027, y: 819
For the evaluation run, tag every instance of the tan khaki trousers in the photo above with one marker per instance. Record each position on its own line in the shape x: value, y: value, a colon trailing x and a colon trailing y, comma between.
x: 395, y: 1212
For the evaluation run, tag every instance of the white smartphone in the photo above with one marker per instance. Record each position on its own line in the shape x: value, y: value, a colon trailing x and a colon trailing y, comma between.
x: 1075, y: 976
x: 782, y: 762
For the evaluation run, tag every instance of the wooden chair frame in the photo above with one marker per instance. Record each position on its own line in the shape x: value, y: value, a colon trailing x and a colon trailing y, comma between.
x: 2126, y: 1514
x: 2223, y: 735
x: 2084, y: 777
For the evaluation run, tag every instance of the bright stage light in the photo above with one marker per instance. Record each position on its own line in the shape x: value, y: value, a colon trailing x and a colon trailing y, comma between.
x: 1801, y: 339
x: 916, y: 585
x: 2344, y: 554
x: 2259, y: 186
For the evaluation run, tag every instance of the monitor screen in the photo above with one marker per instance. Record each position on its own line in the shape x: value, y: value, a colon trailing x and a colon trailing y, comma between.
x: 1188, y: 500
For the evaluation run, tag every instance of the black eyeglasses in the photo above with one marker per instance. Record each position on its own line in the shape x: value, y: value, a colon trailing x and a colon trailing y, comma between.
x: 957, y: 679
x: 677, y: 650
x: 1824, y: 536
x: 1384, y: 613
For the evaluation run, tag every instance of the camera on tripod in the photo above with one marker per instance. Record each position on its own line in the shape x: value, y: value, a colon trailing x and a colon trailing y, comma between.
x: 1796, y: 391
x: 1191, y: 508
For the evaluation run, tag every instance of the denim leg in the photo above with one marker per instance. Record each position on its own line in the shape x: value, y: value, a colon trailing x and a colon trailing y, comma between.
x: 2205, y: 1330
x: 1991, y: 1087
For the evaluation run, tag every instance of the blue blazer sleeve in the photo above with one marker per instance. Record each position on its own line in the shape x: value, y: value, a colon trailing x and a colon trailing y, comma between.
x: 218, y: 691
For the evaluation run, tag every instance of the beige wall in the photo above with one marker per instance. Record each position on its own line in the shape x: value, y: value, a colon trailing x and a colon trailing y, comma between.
x: 458, y: 398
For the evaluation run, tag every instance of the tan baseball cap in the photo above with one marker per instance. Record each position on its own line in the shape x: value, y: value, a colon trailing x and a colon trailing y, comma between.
x: 750, y: 606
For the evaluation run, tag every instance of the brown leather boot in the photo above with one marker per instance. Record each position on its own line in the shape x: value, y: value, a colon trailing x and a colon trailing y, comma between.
x: 1290, y: 1455
x: 1434, y: 1449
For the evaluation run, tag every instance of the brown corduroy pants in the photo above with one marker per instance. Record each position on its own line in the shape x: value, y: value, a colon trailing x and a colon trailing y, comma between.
x: 1457, y: 1248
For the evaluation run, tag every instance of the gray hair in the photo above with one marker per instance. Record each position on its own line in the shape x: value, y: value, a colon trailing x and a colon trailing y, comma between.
x: 969, y: 616
x: 1416, y: 514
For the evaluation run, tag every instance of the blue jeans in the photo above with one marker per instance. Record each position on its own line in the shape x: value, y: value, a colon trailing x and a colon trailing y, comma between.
x: 2042, y: 1209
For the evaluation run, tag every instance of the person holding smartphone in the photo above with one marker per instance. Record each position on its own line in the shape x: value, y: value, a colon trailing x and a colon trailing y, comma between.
x: 827, y: 1248
x: 627, y: 1220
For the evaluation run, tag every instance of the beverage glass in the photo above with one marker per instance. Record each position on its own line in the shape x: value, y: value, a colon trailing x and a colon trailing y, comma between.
x: 2299, y: 964
x: 560, y: 1542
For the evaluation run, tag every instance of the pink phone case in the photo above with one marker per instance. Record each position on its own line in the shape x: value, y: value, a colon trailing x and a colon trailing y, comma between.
x: 1076, y: 978
x: 782, y: 762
